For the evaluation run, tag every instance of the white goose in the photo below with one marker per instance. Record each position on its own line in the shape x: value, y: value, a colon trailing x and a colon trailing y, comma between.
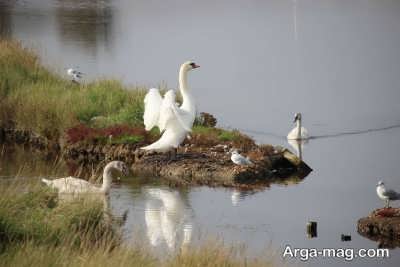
x: 72, y: 185
x: 173, y: 121
x: 298, y: 132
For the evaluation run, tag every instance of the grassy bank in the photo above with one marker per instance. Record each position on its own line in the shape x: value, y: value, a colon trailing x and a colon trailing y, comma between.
x: 36, y: 229
x: 36, y: 99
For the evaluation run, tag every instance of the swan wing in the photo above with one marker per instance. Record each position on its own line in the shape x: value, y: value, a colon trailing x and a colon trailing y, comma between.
x: 152, y: 105
x: 171, y: 113
x: 180, y: 116
x: 166, y: 114
x: 72, y: 185
x: 304, y: 133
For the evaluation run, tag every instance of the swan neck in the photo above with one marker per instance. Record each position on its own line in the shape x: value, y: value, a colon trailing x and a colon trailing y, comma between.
x: 107, y: 179
x: 188, y: 103
x: 298, y: 125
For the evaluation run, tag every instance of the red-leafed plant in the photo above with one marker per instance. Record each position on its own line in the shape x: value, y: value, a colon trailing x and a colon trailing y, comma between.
x: 115, y: 134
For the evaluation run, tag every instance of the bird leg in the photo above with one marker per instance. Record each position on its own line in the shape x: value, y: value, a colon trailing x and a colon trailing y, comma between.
x: 172, y: 155
x: 387, y: 203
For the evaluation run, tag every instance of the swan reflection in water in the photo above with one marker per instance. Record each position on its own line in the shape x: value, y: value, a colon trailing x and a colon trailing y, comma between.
x: 298, y: 146
x: 168, y: 219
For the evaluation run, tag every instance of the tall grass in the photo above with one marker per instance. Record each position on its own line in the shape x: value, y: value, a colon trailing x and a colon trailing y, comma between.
x: 35, y: 99
x: 37, y: 229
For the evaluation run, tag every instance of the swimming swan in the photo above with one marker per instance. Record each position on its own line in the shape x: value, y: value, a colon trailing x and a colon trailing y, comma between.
x: 173, y: 121
x: 298, y: 132
x: 72, y: 185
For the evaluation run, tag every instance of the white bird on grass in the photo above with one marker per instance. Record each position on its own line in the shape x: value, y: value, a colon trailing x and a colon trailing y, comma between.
x: 72, y: 185
x: 386, y: 194
x: 173, y: 121
x: 298, y: 132
x: 239, y: 159
x: 75, y: 74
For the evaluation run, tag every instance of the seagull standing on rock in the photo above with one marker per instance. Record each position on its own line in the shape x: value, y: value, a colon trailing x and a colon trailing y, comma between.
x: 76, y: 75
x: 239, y: 159
x: 386, y: 194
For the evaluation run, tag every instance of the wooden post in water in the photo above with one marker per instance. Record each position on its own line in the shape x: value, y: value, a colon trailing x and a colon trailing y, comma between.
x: 312, y: 229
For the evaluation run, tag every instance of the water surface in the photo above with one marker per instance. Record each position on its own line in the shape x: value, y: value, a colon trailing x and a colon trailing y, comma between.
x: 335, y: 61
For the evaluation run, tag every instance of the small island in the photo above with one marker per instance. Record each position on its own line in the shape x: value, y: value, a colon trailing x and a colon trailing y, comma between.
x: 382, y: 225
x: 101, y: 121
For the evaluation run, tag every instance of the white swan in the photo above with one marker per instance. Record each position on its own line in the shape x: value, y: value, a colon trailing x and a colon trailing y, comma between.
x: 72, y: 185
x: 298, y: 132
x: 173, y: 121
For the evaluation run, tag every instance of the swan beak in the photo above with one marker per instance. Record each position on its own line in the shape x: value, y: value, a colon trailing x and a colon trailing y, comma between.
x: 195, y: 66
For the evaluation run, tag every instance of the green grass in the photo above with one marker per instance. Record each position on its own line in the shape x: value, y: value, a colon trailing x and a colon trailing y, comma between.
x: 38, y: 229
x: 34, y: 215
x: 33, y: 98
x: 210, y: 136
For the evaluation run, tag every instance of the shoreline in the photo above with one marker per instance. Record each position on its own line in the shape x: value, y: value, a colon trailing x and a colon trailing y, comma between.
x: 195, y: 165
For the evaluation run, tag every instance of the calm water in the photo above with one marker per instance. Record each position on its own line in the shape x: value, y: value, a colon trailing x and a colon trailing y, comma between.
x: 335, y: 61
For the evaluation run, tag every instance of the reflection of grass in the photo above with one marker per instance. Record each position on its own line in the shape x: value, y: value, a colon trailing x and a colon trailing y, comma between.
x: 38, y: 230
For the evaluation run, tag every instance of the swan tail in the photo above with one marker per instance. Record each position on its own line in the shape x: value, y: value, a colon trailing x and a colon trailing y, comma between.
x: 47, y: 182
x: 157, y: 146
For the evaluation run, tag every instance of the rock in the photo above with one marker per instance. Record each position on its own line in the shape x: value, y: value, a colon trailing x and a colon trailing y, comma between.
x: 382, y: 225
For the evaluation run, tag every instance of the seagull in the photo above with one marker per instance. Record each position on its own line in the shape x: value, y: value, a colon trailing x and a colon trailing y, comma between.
x: 386, y: 194
x: 239, y: 159
x: 75, y: 74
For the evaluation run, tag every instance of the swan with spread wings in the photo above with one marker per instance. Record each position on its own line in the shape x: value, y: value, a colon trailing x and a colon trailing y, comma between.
x: 173, y: 121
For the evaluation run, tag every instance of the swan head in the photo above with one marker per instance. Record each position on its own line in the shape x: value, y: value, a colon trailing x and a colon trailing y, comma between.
x: 380, y: 183
x: 297, y: 117
x: 189, y: 65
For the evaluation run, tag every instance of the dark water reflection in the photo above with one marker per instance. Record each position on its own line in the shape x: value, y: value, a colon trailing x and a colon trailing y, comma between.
x: 85, y: 22
x: 340, y: 71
